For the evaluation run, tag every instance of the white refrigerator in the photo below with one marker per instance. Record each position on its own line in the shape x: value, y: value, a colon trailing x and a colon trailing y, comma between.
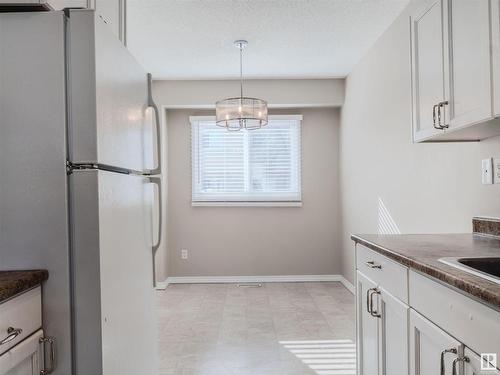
x: 79, y: 183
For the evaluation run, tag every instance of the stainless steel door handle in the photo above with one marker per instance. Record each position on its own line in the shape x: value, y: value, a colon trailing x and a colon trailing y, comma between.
x: 157, y: 182
x: 456, y: 360
x: 368, y: 301
x: 441, y: 105
x: 453, y: 351
x: 151, y: 103
x: 12, y: 333
x: 373, y: 313
x: 372, y: 264
x: 434, y: 117
x: 52, y: 355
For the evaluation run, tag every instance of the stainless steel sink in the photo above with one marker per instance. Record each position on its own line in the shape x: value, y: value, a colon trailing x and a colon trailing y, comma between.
x: 486, y: 267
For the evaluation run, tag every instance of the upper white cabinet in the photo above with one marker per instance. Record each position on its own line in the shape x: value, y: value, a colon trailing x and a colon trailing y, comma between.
x: 468, y: 78
x: 61, y: 4
x: 427, y: 67
x: 452, y: 78
x: 495, y: 28
x: 48, y: 4
x: 113, y: 13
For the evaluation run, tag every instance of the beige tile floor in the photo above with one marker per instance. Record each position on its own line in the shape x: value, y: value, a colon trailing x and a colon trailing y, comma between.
x: 278, y: 329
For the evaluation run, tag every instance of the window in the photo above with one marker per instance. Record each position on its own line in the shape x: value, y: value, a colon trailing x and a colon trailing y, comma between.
x: 246, y: 166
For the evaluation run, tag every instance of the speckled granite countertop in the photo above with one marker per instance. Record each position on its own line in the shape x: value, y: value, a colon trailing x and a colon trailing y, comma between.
x: 15, y: 282
x: 422, y: 251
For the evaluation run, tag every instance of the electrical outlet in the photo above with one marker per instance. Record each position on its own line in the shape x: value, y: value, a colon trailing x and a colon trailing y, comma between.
x: 184, y: 254
x: 496, y: 170
x: 487, y: 171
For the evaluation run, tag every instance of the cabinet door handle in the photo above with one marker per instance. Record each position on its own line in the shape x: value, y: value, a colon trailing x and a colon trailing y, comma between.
x: 52, y: 355
x: 456, y: 360
x: 374, y: 313
x: 441, y: 105
x: 434, y: 116
x: 372, y: 264
x: 12, y: 333
x: 368, y: 301
x: 452, y: 350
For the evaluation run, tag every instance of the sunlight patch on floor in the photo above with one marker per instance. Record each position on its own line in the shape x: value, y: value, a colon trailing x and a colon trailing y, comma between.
x: 325, y: 357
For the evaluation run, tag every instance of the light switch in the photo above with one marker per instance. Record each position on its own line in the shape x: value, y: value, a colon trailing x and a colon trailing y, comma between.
x: 487, y: 171
x: 496, y: 171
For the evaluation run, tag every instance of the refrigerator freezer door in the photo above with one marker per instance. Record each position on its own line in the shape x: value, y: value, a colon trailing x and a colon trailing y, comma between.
x: 112, y: 261
x: 110, y: 122
x: 33, y: 188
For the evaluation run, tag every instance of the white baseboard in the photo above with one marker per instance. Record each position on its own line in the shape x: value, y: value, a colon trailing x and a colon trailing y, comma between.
x: 350, y: 287
x: 254, y: 279
x: 161, y: 285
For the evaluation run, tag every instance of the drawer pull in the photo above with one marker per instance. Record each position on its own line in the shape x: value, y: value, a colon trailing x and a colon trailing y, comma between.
x: 12, y: 333
x: 452, y: 350
x: 372, y: 264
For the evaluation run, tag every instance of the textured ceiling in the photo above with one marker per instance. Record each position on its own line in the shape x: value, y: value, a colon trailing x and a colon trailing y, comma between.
x: 193, y: 39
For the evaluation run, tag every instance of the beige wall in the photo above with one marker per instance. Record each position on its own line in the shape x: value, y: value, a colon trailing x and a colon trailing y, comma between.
x: 278, y: 93
x: 226, y: 241
x: 425, y: 188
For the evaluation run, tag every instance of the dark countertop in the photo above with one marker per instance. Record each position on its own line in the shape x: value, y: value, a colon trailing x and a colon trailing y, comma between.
x: 15, y: 282
x: 422, y: 251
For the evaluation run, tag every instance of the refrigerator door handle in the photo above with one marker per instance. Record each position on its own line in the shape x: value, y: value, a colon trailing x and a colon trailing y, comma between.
x: 152, y: 104
x: 154, y: 247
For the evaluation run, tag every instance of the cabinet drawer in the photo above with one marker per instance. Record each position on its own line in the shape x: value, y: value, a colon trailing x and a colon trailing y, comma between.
x: 22, y: 312
x: 391, y: 276
x: 471, y: 322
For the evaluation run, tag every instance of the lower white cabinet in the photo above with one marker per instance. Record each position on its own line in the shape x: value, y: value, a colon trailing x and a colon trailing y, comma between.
x: 367, y: 328
x: 472, y: 365
x: 431, y: 330
x: 382, y: 330
x: 393, y: 334
x: 432, y: 350
x: 25, y: 358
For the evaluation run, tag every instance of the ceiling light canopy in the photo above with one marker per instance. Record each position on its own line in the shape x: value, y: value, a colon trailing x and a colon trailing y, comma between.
x: 241, y: 112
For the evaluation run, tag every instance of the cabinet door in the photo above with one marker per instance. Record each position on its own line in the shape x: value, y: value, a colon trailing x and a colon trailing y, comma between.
x: 23, y: 359
x: 367, y: 329
x: 468, y: 63
x: 473, y: 367
x: 393, y: 335
x: 495, y: 27
x: 429, y: 345
x: 428, y: 76
x: 61, y: 4
x: 112, y: 13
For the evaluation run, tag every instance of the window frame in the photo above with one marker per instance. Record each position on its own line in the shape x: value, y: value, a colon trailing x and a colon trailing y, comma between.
x: 242, y: 202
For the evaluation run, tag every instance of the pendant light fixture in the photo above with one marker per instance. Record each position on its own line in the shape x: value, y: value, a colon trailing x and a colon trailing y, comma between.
x: 241, y: 112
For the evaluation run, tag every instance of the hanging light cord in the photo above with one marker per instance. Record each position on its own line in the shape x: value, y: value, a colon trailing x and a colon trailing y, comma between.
x: 241, y: 70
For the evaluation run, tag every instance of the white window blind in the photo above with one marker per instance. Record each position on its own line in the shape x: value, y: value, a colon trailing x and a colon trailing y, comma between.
x: 246, y: 166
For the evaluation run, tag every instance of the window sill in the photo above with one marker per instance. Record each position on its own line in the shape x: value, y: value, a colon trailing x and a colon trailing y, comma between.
x: 246, y: 204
